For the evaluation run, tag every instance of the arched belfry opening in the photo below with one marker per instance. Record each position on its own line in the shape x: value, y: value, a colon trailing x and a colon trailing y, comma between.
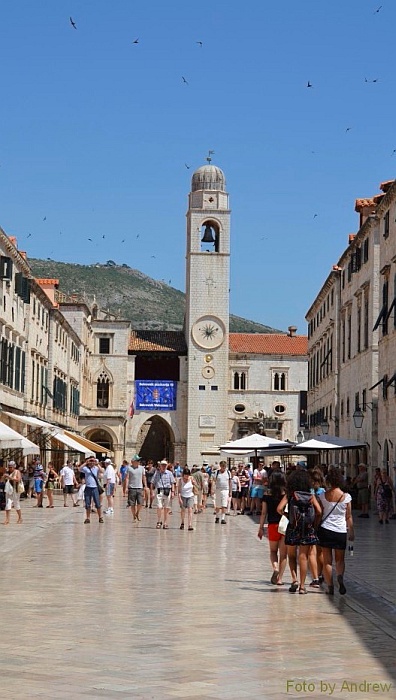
x: 210, y: 237
x: 156, y: 440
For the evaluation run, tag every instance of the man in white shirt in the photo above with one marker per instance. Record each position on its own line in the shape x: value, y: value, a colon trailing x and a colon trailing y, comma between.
x: 68, y: 483
x: 110, y: 482
x: 223, y: 491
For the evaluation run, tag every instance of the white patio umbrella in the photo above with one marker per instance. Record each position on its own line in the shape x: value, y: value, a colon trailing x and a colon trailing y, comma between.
x: 330, y: 442
x: 253, y: 443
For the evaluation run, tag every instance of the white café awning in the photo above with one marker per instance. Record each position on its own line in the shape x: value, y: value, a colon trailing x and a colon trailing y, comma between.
x: 72, y: 444
x: 11, y: 440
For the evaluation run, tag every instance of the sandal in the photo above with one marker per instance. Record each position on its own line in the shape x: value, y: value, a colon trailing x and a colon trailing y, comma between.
x: 294, y: 587
x: 86, y: 521
x: 274, y: 577
x: 158, y: 526
x: 280, y: 583
x: 181, y: 526
x: 341, y: 585
x: 315, y: 583
x: 302, y: 590
x: 165, y: 527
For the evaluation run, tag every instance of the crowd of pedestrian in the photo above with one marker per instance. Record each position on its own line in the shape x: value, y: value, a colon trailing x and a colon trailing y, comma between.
x: 308, y: 512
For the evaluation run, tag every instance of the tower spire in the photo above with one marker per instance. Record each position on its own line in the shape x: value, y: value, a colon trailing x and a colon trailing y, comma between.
x: 208, y: 157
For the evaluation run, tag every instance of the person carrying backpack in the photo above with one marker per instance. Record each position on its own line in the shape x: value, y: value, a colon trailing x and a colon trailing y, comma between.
x: 304, y: 512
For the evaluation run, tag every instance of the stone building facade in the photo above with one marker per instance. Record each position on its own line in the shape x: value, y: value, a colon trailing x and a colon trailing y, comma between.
x: 350, y: 336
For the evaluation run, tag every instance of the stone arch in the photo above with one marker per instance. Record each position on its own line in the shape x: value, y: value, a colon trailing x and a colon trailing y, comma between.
x: 156, y: 440
x: 103, y: 436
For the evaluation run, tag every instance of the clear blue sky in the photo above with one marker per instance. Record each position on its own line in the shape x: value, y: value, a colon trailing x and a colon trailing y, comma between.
x: 95, y: 132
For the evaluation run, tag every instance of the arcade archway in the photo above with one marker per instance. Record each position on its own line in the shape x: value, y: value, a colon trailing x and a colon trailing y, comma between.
x: 102, y: 437
x: 156, y: 440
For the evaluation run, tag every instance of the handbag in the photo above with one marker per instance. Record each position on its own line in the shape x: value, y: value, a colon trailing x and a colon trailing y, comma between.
x: 100, y: 488
x: 8, y: 490
x: 20, y: 487
x: 283, y: 523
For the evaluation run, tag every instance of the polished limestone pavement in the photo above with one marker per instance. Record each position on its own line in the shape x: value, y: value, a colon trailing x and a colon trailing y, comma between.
x: 122, y: 610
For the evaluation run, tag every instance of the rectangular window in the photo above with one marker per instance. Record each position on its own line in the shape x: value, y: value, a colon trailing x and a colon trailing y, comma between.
x: 386, y: 224
x: 214, y: 387
x: 202, y: 387
x: 359, y: 327
x: 364, y: 399
x: 104, y: 346
x: 349, y: 337
x: 366, y: 322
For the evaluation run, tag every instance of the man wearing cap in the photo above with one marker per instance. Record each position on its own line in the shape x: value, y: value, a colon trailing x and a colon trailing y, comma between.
x: 38, y: 474
x: 164, y: 482
x: 68, y: 482
x: 91, y: 472
x: 136, y: 475
x: 110, y: 481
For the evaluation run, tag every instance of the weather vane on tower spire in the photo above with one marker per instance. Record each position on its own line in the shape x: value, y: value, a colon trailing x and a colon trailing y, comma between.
x: 208, y: 158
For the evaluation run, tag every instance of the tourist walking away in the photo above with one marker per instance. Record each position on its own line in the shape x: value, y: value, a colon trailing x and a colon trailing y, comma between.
x: 223, y: 491
x: 123, y: 476
x: 91, y: 471
x: 110, y: 485
x: 383, y: 496
x: 50, y: 484
x: 361, y: 482
x: 315, y: 559
x: 257, y: 492
x: 235, y: 492
x: 163, y: 481
x: 13, y: 486
x: 336, y: 525
x: 38, y: 475
x: 303, y: 513
x: 185, y: 492
x: 68, y: 483
x: 150, y: 470
x: 276, y: 540
x: 136, y: 479
x: 198, y: 479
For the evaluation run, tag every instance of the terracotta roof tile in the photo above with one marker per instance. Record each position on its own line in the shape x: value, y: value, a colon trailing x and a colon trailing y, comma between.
x: 157, y: 341
x: 269, y: 343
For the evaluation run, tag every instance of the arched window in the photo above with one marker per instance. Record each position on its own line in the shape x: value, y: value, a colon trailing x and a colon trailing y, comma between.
x: 236, y: 380
x: 283, y: 382
x: 102, y: 391
x: 243, y: 380
x: 279, y: 381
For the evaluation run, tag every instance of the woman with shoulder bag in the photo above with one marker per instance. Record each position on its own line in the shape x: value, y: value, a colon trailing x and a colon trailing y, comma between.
x: 13, y: 492
x: 335, y: 528
x: 276, y: 540
x: 50, y: 484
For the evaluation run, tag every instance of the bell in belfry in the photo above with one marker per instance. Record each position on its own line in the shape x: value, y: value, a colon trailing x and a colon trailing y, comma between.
x: 208, y: 235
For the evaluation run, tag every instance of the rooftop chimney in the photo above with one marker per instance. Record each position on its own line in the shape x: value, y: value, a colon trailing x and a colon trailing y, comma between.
x: 292, y: 331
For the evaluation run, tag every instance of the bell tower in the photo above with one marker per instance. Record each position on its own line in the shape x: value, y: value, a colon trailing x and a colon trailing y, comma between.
x: 207, y: 312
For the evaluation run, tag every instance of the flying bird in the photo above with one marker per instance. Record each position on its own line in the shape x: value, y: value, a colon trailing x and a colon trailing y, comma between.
x: 314, y: 216
x: 153, y: 256
x: 90, y: 239
x: 393, y: 152
x: 184, y: 80
x: 136, y: 41
x: 367, y: 80
x: 73, y: 24
x: 377, y: 10
x: 103, y: 236
x: 45, y: 218
x: 309, y: 84
x: 28, y: 236
x: 138, y: 236
x: 123, y: 240
x: 187, y: 166
x: 348, y: 129
x: 200, y: 43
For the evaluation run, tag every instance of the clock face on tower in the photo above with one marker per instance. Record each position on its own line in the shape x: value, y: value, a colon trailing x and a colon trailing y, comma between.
x: 208, y: 332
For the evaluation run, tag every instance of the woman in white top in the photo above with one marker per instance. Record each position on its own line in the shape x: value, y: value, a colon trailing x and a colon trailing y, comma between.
x: 335, y: 527
x: 185, y: 492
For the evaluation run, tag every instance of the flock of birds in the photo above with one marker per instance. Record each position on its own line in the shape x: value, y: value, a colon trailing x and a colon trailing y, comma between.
x: 309, y: 85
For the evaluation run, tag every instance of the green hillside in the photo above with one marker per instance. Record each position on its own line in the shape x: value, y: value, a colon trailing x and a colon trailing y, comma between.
x: 147, y: 303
